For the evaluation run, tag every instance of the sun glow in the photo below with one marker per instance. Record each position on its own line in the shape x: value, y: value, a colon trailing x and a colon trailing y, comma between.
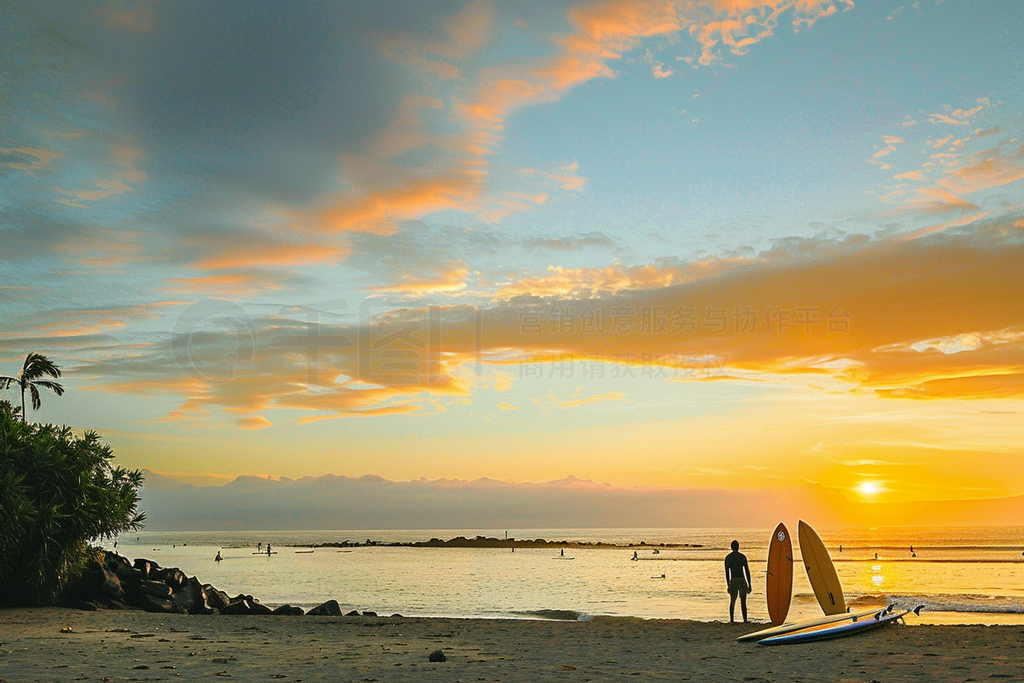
x: 869, y: 488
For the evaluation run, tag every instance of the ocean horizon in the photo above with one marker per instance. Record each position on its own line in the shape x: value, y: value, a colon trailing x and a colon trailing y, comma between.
x: 962, y: 575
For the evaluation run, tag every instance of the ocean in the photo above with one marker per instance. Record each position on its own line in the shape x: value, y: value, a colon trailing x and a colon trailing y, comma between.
x: 961, y: 575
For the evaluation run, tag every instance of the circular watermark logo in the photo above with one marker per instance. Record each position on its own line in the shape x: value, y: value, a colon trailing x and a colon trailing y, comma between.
x: 211, y: 338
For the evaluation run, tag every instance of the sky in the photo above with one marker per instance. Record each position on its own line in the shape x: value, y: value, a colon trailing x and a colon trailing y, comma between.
x: 722, y: 244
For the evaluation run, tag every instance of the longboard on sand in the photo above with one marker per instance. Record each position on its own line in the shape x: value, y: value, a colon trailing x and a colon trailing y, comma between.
x: 272, y: 552
x: 820, y: 571
x: 808, y: 623
x: 847, y: 628
x: 779, y: 588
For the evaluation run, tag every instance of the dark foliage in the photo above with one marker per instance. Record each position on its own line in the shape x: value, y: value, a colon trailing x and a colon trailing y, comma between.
x: 58, y: 491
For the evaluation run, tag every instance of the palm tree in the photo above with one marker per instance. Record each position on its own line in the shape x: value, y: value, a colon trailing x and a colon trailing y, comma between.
x: 36, y: 366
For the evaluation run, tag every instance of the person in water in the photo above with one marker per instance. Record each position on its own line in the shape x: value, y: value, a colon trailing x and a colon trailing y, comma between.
x: 218, y: 558
x: 737, y: 577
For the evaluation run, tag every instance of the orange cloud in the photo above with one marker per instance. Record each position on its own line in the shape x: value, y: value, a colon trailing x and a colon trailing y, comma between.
x: 828, y: 309
x: 228, y: 284
x: 991, y: 168
x: 253, y: 422
x: 937, y: 200
x: 451, y: 279
x: 585, y: 282
x: 575, y: 403
x: 250, y: 253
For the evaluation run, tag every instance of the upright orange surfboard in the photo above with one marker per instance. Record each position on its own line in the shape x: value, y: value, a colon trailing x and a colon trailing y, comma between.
x: 820, y: 571
x: 780, y: 575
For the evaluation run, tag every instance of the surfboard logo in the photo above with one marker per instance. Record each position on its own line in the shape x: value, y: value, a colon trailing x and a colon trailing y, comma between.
x: 781, y: 536
x: 831, y: 598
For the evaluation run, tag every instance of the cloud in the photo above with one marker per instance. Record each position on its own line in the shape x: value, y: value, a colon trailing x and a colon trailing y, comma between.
x: 251, y: 251
x: 567, y: 177
x: 822, y: 309
x: 561, y: 281
x: 466, y: 32
x: 660, y: 72
x: 130, y: 17
x: 122, y: 156
x: 84, y: 322
x: 990, y: 168
x: 507, y: 406
x: 576, y: 403
x: 104, y: 248
x: 225, y: 284
x: 451, y: 279
x: 909, y: 175
x: 586, y: 282
x: 571, y: 243
x: 253, y: 422
x: 937, y: 200
x: 956, y: 117
x: 16, y: 158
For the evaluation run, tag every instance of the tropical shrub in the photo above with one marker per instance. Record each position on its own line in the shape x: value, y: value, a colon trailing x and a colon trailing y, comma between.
x: 58, y: 492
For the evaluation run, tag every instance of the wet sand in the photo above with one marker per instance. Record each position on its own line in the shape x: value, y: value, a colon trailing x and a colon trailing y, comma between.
x: 137, y: 646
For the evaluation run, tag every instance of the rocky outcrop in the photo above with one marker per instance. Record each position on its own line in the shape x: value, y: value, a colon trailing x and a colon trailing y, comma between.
x: 111, y: 581
x: 331, y: 608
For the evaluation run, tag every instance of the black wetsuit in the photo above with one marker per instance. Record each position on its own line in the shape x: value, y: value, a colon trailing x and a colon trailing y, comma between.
x: 737, y: 574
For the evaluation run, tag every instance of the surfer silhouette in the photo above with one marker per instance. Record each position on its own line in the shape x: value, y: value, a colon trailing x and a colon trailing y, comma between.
x: 737, y: 577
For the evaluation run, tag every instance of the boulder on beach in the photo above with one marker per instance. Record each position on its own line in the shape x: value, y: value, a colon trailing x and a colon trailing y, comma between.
x: 238, y: 607
x: 288, y: 610
x: 331, y: 608
x: 155, y: 588
x: 216, y: 599
x: 191, y: 598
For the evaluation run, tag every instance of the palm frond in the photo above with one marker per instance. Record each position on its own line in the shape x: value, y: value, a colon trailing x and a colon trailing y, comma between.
x: 34, y: 393
x: 37, y: 365
x: 55, y: 387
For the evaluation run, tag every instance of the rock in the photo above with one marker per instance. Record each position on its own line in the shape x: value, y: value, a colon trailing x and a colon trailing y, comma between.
x: 437, y: 656
x: 172, y: 576
x: 145, y: 566
x: 368, y: 613
x: 191, y: 598
x: 396, y: 615
x: 353, y: 613
x: 151, y: 603
x: 155, y: 588
x: 288, y: 610
x: 257, y: 608
x: 238, y: 607
x: 215, y: 598
x: 331, y: 608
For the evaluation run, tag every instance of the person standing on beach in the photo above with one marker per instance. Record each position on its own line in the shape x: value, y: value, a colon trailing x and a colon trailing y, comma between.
x: 737, y: 577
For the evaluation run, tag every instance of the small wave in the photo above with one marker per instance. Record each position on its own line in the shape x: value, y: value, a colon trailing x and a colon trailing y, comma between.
x: 988, y: 604
x: 555, y: 614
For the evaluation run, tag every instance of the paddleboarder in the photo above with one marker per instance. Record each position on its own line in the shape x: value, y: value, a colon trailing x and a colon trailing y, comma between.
x: 737, y: 578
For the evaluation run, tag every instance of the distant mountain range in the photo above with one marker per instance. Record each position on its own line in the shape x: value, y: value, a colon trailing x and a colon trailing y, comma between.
x: 372, y: 502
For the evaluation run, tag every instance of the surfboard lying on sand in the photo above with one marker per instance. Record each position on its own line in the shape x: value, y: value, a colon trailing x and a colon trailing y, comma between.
x: 779, y: 588
x: 808, y: 623
x: 820, y: 571
x: 846, y: 628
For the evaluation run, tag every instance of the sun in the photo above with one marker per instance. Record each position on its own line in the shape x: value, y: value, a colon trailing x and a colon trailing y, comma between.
x: 869, y: 488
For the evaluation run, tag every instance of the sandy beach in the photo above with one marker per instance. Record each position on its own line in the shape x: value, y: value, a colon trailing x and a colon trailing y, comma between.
x: 51, y: 644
